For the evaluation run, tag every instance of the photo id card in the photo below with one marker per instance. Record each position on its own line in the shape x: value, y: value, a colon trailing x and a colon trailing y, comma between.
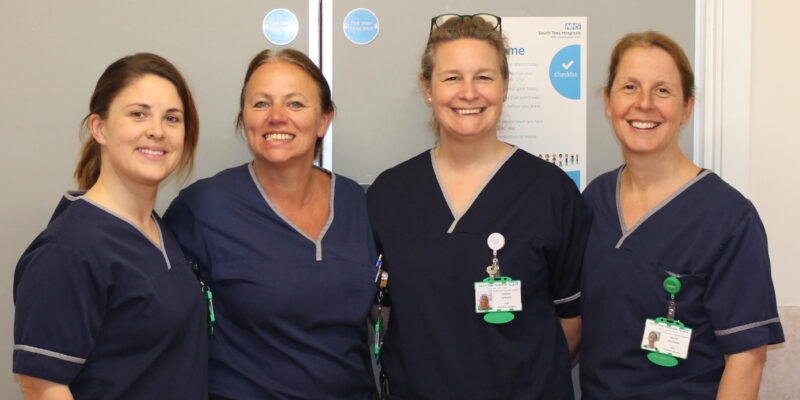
x: 666, y: 338
x: 505, y: 295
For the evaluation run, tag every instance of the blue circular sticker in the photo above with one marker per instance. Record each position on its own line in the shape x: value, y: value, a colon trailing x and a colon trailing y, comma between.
x: 565, y: 72
x: 280, y: 26
x: 361, y: 26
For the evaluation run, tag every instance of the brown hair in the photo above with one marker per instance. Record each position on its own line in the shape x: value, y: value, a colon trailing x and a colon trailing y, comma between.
x: 651, y: 39
x: 114, y: 79
x: 298, y: 59
x: 461, y: 28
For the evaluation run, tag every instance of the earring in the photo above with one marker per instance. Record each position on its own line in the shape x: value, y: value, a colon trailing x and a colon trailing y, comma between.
x: 429, y: 100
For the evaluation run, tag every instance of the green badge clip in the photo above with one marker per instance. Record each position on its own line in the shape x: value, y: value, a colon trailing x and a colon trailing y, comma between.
x: 672, y: 285
x: 211, y: 318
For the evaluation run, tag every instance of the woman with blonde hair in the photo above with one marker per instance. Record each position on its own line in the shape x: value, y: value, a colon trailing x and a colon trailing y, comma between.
x: 441, y: 217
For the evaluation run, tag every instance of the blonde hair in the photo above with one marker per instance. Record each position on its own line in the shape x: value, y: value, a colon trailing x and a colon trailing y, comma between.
x: 461, y: 28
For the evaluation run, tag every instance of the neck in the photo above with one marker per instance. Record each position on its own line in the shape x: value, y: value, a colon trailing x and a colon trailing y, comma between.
x: 474, y: 152
x: 294, y: 183
x: 132, y: 201
x: 657, y: 170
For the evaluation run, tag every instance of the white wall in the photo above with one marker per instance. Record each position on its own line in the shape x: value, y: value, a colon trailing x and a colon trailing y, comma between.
x: 775, y: 138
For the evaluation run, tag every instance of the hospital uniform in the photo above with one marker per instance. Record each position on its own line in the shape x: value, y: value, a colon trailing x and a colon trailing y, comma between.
x: 708, y: 236
x: 103, y: 309
x: 290, y: 309
x: 437, y: 346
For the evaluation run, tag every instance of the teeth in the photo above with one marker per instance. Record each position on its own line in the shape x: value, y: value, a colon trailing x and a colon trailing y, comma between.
x: 465, y: 111
x: 644, y: 125
x: 154, y: 152
x: 278, y: 136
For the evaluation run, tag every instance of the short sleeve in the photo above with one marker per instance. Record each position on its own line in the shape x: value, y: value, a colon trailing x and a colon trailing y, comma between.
x: 567, y: 261
x: 60, y: 302
x: 181, y: 220
x: 740, y: 297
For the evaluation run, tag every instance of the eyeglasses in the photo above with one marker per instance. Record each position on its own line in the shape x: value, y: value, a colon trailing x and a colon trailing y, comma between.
x: 492, y: 20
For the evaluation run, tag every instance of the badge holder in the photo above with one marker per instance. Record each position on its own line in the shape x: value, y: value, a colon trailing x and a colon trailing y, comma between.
x: 379, y: 314
x: 497, y: 297
x: 677, y: 331
x: 212, y: 320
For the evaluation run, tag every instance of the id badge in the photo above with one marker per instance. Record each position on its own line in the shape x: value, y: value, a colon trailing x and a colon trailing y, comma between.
x: 666, y: 339
x: 497, y: 298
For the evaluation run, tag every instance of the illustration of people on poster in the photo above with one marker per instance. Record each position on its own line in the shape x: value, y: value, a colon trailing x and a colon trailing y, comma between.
x: 545, y: 112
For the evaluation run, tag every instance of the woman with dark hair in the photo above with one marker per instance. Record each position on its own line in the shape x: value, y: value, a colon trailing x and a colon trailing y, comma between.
x: 674, y: 252
x: 441, y: 217
x: 106, y: 305
x: 285, y: 246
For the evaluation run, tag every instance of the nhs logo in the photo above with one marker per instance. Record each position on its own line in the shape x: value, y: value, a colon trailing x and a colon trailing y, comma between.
x: 572, y: 26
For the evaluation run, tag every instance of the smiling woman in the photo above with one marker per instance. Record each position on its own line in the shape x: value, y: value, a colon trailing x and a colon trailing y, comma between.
x: 106, y: 306
x: 660, y: 218
x: 433, y: 215
x: 285, y: 246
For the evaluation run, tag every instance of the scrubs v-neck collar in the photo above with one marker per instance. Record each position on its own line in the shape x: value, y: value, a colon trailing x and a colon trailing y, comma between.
x: 79, y: 195
x: 318, y: 241
x: 659, y: 206
x: 457, y: 216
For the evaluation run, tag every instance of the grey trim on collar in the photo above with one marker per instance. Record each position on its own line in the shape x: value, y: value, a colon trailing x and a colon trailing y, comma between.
x: 457, y: 216
x: 72, y: 197
x: 318, y: 241
x: 659, y: 206
x: 49, y: 353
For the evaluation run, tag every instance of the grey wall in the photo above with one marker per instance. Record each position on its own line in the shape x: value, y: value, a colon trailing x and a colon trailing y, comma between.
x: 54, y: 51
x: 382, y: 118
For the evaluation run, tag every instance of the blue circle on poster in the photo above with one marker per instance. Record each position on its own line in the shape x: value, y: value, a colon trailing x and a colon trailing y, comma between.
x: 565, y: 72
x: 361, y: 26
x: 280, y: 26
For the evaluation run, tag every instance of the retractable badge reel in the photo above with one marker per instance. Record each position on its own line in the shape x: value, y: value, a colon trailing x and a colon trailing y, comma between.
x: 667, y: 339
x: 382, y: 280
x: 497, y: 296
x: 212, y: 320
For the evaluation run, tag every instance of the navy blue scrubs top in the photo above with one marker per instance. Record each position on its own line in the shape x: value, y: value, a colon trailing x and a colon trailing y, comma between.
x: 291, y: 310
x: 436, y: 346
x: 102, y: 309
x: 710, y: 237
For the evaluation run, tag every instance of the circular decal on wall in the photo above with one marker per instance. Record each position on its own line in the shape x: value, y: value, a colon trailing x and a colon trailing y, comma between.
x: 280, y: 26
x: 565, y: 72
x: 361, y: 26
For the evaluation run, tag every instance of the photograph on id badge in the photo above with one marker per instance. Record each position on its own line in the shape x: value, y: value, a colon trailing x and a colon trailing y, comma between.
x: 666, y: 338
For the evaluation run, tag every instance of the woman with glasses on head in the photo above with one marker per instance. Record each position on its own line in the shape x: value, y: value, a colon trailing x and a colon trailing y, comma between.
x: 474, y: 201
x: 672, y: 248
x: 285, y: 246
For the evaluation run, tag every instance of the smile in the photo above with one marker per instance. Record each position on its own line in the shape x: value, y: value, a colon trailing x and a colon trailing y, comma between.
x: 469, y: 111
x: 643, y: 124
x: 279, y: 136
x: 151, y: 151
